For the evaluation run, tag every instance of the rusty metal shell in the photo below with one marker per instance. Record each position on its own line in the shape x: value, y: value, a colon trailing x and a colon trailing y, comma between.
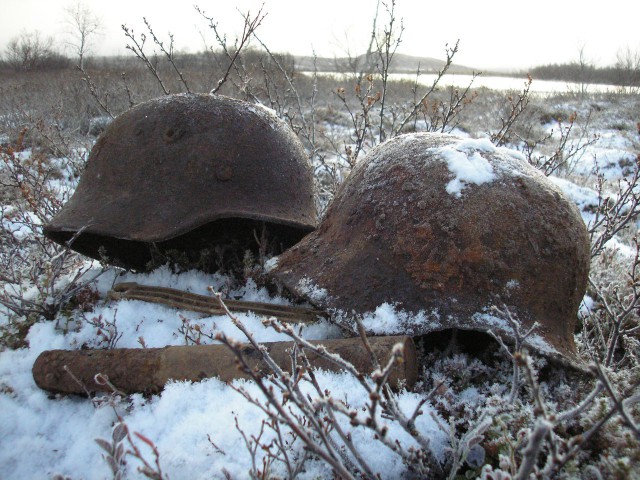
x: 413, y: 229
x: 175, y: 164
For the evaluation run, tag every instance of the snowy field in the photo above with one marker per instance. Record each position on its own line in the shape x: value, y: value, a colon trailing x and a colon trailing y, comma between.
x: 209, y: 430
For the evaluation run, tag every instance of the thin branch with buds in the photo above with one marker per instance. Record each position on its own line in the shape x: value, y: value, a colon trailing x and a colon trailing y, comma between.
x: 251, y: 24
x: 517, y: 107
x: 137, y: 46
x: 615, y: 211
x: 450, y: 53
x: 309, y: 427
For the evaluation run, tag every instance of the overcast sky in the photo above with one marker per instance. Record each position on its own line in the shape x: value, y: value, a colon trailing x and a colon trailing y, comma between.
x: 493, y: 33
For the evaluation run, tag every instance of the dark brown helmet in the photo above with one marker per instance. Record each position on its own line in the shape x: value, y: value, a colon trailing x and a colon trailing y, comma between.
x: 185, y: 171
x: 441, y: 228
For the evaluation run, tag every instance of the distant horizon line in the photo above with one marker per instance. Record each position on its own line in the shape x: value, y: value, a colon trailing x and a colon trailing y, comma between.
x: 455, y: 68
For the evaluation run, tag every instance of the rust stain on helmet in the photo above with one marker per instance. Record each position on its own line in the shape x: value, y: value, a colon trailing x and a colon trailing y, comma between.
x: 175, y: 164
x: 412, y: 229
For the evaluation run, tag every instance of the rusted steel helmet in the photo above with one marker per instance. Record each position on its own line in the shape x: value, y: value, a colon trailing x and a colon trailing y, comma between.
x: 183, y: 172
x: 440, y: 229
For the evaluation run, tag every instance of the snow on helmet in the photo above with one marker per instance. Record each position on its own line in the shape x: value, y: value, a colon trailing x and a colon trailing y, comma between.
x: 437, y: 228
x: 187, y: 171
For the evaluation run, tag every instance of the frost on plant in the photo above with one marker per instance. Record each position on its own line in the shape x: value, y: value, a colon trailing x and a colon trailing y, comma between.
x: 483, y: 407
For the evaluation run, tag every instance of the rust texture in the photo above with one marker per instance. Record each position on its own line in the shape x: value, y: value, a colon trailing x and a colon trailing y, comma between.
x: 394, y: 234
x: 148, y: 370
x: 180, y: 163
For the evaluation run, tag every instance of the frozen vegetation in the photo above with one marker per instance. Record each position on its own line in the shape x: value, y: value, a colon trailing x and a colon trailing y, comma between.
x: 480, y: 409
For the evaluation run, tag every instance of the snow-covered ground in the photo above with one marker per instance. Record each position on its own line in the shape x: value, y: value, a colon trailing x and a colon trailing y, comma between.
x: 43, y: 435
x: 200, y: 429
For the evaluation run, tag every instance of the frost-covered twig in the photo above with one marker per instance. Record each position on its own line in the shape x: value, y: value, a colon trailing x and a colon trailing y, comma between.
x: 318, y: 425
x: 565, y: 154
x: 450, y: 54
x: 615, y: 211
x: 519, y: 338
x: 575, y: 445
x: 81, y: 385
x: 137, y: 47
x: 517, y: 107
x: 380, y: 396
x: 463, y: 446
x: 620, y: 404
x: 386, y: 49
x: 252, y: 445
x: 168, y: 53
x: 285, y: 383
x: 541, y: 438
x: 39, y: 276
x: 232, y: 54
x: 615, y: 319
x: 361, y: 121
x: 530, y: 453
x: 103, y: 103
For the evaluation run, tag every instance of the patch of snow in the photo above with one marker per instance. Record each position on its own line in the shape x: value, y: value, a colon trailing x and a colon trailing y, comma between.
x: 49, y: 436
x: 613, y: 139
x: 479, y: 144
x: 192, y: 281
x: 308, y: 288
x: 512, y: 153
x: 512, y: 284
x: 467, y: 164
x: 20, y: 225
x: 271, y: 264
x: 385, y: 320
x: 541, y: 345
x: 266, y: 109
x: 613, y: 154
x: 470, y: 396
x: 621, y: 248
x: 586, y: 199
x: 586, y: 306
x: 491, y: 321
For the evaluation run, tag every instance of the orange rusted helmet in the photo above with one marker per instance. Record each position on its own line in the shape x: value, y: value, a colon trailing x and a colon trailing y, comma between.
x: 186, y: 172
x: 440, y: 228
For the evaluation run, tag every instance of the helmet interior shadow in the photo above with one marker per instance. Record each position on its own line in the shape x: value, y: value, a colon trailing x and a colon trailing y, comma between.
x: 220, y: 245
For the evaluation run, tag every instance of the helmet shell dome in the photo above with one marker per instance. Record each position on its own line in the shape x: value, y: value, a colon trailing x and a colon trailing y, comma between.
x: 174, y: 164
x: 441, y: 228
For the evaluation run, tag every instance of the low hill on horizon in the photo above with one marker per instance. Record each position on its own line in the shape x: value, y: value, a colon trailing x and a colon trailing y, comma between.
x: 400, y: 63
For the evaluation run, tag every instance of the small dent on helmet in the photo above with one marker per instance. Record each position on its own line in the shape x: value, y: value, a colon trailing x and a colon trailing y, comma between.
x: 173, y: 134
x: 224, y: 171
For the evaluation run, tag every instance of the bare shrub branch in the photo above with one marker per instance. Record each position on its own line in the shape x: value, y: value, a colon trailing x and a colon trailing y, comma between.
x: 318, y: 417
x: 517, y: 107
x: 137, y: 46
x: 232, y: 54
